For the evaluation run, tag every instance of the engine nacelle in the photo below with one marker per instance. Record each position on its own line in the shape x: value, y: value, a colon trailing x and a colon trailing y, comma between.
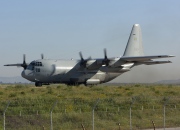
x: 92, y: 64
x: 92, y: 81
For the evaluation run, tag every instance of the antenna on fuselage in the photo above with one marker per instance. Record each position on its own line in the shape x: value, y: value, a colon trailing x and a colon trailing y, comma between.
x: 42, y: 56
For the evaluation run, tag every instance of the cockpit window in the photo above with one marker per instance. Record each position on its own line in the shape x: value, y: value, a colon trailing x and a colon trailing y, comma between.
x: 31, y: 66
x: 38, y: 64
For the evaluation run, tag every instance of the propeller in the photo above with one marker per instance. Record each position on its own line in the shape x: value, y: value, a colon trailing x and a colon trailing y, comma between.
x: 80, y: 54
x: 106, y: 60
x: 83, y: 61
x: 24, y: 65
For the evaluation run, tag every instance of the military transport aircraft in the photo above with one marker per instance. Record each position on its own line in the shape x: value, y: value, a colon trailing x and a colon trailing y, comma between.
x: 89, y: 71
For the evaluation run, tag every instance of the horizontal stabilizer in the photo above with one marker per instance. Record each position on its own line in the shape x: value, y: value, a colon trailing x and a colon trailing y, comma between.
x: 154, y: 62
x: 143, y: 58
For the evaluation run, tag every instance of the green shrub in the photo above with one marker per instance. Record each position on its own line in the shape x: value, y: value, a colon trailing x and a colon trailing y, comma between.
x: 170, y: 93
x: 127, y: 88
x: 50, y: 91
x: 19, y: 86
x: 8, y: 87
x: 59, y: 86
x: 170, y: 86
x: 32, y: 90
x: 152, y: 89
x: 137, y: 85
x: 1, y: 93
x: 157, y: 92
x: 12, y: 95
x: 23, y: 93
x: 130, y: 93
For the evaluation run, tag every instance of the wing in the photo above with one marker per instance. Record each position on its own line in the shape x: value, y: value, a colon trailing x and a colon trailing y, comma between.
x: 18, y: 65
x: 24, y: 65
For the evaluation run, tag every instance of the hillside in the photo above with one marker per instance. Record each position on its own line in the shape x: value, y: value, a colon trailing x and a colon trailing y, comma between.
x: 17, y: 79
x: 169, y: 82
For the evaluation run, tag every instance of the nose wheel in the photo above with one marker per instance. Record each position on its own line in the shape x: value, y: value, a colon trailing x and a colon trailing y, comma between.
x: 38, y: 84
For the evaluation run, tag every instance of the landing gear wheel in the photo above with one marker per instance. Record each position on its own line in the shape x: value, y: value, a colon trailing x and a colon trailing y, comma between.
x: 37, y: 84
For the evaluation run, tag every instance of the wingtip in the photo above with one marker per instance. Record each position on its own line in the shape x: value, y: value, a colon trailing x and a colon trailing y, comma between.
x: 169, y: 61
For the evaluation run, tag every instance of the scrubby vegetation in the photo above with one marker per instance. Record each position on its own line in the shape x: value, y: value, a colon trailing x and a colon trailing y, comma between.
x: 30, y: 106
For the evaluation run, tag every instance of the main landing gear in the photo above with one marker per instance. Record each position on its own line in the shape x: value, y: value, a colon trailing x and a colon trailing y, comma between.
x: 38, y: 84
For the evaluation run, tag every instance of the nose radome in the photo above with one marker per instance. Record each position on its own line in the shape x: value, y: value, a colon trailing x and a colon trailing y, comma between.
x: 28, y: 74
x: 23, y: 74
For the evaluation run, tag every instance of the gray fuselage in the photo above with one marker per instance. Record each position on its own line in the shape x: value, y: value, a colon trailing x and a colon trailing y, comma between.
x: 70, y: 72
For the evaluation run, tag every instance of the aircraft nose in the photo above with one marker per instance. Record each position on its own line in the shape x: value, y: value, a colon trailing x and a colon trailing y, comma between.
x: 27, y: 74
x: 23, y: 74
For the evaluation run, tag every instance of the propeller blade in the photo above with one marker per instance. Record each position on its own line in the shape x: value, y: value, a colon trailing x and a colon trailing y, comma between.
x: 83, y: 61
x: 24, y: 59
x: 80, y: 54
x: 24, y: 65
x: 105, y: 53
x: 106, y: 60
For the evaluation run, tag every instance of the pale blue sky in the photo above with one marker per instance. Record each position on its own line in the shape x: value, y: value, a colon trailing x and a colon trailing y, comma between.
x: 60, y: 29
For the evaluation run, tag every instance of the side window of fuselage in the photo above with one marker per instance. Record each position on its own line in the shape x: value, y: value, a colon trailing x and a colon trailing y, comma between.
x: 37, y: 69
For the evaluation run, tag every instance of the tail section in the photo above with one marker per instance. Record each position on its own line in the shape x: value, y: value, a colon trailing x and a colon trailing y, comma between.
x: 134, y: 46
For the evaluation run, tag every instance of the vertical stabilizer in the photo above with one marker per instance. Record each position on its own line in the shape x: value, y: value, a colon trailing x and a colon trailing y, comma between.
x: 134, y: 46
